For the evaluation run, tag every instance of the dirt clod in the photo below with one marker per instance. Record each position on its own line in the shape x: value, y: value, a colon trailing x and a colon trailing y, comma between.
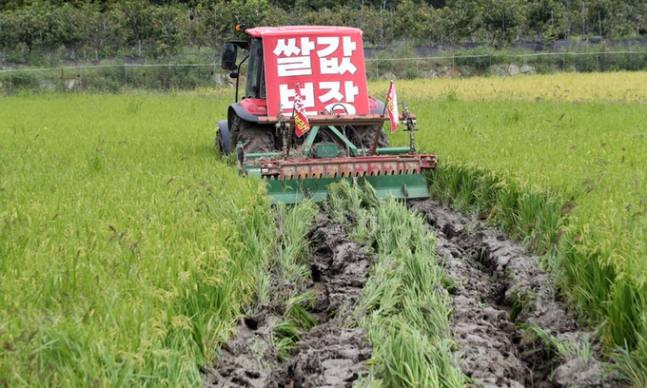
x: 248, y: 358
x: 328, y: 356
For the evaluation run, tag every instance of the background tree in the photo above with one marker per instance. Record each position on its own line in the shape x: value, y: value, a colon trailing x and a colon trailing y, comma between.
x: 546, y: 20
x: 137, y: 22
x: 96, y: 29
x: 501, y: 20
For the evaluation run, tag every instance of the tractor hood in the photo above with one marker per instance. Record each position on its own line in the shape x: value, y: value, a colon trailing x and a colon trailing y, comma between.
x: 327, y: 63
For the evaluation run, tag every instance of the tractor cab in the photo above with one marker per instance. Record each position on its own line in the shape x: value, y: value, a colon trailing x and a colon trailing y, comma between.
x: 327, y: 63
x: 253, y: 56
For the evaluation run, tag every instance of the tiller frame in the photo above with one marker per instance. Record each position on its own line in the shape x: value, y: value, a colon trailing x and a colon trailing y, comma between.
x: 391, y: 171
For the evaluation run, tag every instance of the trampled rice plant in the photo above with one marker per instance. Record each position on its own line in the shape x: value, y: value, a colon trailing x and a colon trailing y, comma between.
x: 403, y: 306
x: 290, y: 262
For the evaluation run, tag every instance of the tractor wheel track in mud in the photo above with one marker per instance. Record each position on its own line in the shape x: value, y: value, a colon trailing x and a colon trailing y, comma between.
x: 498, y: 291
x: 330, y: 354
x: 498, y: 288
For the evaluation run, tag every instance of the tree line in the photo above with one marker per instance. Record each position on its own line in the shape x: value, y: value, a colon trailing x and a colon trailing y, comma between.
x: 97, y: 29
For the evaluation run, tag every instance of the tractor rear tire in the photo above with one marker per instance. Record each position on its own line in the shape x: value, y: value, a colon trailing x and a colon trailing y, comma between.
x: 255, y: 138
x: 365, y: 136
x: 222, y: 143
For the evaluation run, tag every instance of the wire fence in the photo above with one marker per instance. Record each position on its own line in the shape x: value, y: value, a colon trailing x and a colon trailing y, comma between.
x: 102, y: 66
x: 168, y: 76
x: 502, y: 64
x: 526, y: 55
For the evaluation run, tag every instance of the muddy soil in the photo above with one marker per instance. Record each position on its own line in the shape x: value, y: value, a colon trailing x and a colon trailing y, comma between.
x: 499, y: 288
x: 332, y: 354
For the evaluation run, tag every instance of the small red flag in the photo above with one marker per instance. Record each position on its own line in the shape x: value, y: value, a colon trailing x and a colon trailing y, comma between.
x: 392, y: 107
x: 301, y: 123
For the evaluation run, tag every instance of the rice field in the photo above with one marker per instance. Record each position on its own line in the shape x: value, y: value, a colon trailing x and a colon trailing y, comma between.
x: 565, y: 172
x: 571, y: 87
x: 128, y: 248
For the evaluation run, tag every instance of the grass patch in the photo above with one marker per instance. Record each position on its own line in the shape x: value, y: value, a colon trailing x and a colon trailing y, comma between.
x: 403, y: 307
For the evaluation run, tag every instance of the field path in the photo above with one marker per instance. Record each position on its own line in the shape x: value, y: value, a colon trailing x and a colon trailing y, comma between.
x: 510, y: 326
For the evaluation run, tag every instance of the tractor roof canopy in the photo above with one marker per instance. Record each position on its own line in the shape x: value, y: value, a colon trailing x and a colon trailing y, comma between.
x: 327, y: 63
x: 262, y: 32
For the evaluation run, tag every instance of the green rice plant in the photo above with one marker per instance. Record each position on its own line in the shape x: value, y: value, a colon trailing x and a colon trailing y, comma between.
x: 353, y: 208
x: 296, y: 321
x: 403, y: 307
x: 633, y: 365
x: 127, y: 249
x: 533, y: 216
x: 285, y: 335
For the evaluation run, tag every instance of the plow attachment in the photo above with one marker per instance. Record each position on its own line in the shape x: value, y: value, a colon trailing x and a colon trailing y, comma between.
x: 293, y: 180
x: 392, y: 171
x: 292, y: 191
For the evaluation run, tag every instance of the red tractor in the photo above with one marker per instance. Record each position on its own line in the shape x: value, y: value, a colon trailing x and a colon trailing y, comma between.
x: 346, y: 139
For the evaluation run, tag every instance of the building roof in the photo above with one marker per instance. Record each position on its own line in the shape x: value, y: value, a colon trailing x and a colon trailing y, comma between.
x: 260, y: 32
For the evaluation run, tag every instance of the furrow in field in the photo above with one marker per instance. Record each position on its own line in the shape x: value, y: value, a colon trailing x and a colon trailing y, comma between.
x: 326, y: 353
x: 510, y: 326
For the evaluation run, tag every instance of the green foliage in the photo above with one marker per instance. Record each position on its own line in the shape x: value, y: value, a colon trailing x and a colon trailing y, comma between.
x: 32, y: 31
x: 117, y: 77
x: 126, y: 247
x: 502, y: 19
x: 530, y: 215
x: 565, y: 348
x: 546, y: 19
x: 296, y: 321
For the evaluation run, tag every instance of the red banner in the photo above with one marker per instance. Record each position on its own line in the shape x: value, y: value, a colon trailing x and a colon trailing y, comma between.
x: 327, y: 63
